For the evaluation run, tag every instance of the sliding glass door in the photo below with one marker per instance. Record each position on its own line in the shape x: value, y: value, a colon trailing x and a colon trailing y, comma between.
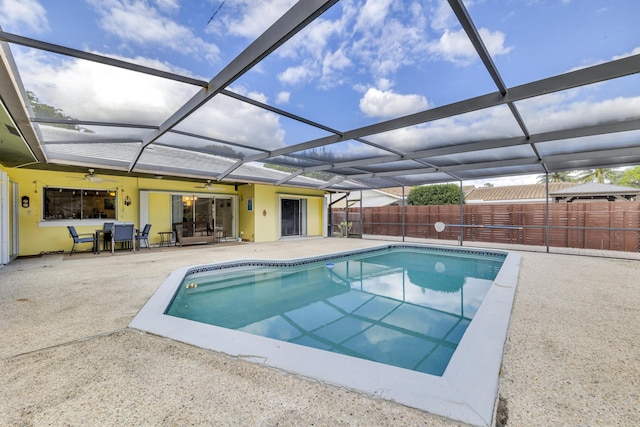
x: 209, y: 213
x: 293, y: 214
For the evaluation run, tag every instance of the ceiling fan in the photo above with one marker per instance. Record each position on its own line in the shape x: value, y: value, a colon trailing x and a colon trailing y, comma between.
x: 91, y: 176
x: 209, y: 186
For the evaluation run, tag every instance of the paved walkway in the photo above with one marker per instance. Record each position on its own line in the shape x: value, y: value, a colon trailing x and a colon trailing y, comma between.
x: 68, y: 358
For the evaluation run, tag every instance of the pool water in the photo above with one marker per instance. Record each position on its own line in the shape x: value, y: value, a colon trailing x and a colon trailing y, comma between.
x: 404, y: 307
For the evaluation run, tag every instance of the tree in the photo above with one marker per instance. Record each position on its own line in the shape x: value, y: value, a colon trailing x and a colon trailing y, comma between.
x: 444, y: 194
x: 323, y: 176
x: 40, y: 109
x: 556, y: 177
x: 630, y: 177
x: 601, y: 175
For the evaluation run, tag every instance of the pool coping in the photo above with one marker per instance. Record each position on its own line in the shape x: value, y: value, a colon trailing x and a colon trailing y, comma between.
x: 467, y: 391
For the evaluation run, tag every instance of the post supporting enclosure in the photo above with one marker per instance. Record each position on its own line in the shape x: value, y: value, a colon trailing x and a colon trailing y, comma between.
x: 403, y: 210
x: 461, y: 235
x: 546, y: 223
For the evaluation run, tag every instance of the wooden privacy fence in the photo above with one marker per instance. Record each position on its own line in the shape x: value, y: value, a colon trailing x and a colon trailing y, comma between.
x: 589, y: 225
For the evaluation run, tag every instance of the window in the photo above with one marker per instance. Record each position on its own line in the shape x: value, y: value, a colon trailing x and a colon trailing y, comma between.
x: 78, y: 203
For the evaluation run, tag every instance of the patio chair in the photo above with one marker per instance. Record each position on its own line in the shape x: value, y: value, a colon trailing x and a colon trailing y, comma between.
x: 106, y: 237
x: 122, y: 233
x: 80, y: 238
x: 144, y: 237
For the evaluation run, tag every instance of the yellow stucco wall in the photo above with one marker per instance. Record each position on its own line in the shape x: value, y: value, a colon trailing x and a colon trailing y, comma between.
x: 259, y: 225
x: 159, y: 215
x: 36, y: 235
x: 246, y: 222
x: 265, y: 214
x: 267, y: 210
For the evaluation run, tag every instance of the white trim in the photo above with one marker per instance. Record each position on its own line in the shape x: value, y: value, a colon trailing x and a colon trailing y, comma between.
x: 76, y: 222
x: 5, y: 247
x: 143, y: 215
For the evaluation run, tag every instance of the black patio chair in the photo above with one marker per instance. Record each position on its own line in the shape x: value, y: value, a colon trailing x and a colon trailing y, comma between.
x: 80, y: 238
x: 144, y: 236
x: 106, y: 237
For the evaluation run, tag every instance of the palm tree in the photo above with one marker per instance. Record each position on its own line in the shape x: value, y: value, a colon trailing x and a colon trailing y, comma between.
x: 630, y: 177
x: 601, y: 175
x: 556, y: 177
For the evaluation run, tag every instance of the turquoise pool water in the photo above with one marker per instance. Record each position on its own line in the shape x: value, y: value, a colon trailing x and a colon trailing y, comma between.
x: 401, y: 306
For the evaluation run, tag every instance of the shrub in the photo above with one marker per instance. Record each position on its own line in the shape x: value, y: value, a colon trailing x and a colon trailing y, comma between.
x: 443, y: 194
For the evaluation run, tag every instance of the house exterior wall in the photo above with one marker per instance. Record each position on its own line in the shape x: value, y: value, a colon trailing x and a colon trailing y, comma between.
x: 266, y: 209
x: 247, y: 220
x: 37, y: 235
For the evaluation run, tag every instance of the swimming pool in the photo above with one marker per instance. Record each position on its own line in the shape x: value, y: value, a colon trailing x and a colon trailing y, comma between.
x: 465, y: 390
x: 402, y: 306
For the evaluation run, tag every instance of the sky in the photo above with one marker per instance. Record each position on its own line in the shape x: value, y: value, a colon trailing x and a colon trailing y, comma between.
x: 361, y: 62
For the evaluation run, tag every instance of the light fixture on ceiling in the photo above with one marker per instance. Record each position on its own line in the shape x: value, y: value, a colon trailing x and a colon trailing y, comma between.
x: 209, y: 186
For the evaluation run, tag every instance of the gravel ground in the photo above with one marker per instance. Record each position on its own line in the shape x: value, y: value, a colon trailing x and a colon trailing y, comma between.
x: 68, y: 358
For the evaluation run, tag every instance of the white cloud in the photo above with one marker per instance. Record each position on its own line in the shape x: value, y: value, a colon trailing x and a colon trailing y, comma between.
x: 397, y: 43
x: 474, y: 126
x: 169, y: 5
x: 386, y: 104
x: 140, y: 23
x: 494, y: 41
x: 230, y: 120
x: 442, y: 17
x: 548, y: 114
x: 283, y: 98
x: 372, y: 14
x: 384, y: 84
x: 295, y: 75
x: 635, y: 51
x: 312, y: 41
x: 375, y: 40
x: 455, y: 46
x: 255, y: 16
x: 14, y: 13
x: 91, y: 91
x: 332, y: 66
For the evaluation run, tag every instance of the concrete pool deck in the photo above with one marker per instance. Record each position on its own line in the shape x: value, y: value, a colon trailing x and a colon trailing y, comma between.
x: 68, y: 357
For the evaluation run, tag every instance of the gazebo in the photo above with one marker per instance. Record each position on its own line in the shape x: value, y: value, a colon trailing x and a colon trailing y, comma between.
x: 594, y: 191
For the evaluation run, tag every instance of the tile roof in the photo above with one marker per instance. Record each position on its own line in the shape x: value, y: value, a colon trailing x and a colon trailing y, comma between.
x: 516, y: 192
x: 595, y: 188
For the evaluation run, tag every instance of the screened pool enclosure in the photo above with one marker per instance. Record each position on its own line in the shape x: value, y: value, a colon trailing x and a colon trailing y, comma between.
x: 339, y: 95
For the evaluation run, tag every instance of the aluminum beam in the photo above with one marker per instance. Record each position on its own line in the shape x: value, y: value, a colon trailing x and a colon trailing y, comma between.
x: 75, y: 53
x: 294, y: 20
x: 585, y: 76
